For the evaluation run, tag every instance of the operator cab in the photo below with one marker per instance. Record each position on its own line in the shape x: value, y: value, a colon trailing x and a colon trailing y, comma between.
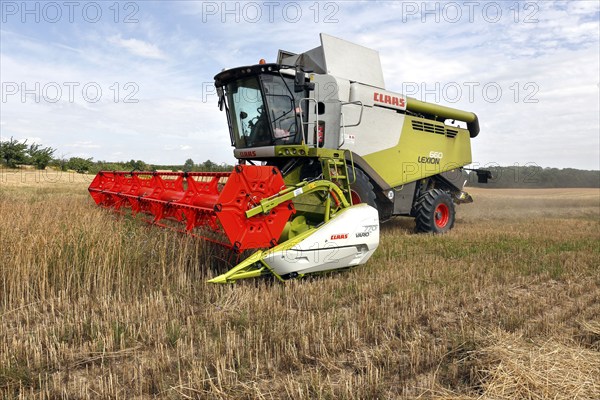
x: 262, y: 106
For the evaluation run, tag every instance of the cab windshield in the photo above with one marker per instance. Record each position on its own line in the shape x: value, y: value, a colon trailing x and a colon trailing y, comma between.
x: 263, y: 111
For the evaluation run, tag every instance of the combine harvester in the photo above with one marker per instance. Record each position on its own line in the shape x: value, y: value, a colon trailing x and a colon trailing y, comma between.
x: 325, y: 152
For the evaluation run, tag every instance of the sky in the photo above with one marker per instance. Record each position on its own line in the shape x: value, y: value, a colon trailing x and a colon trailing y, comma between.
x: 129, y: 80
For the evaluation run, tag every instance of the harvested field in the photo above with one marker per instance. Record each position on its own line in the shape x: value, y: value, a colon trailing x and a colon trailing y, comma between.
x: 94, y: 305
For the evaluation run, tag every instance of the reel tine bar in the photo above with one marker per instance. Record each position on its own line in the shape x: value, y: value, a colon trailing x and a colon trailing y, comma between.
x: 213, y: 201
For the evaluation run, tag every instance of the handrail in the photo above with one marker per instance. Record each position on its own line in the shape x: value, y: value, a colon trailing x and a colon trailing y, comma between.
x: 308, y: 123
x: 362, y: 107
x: 343, y: 126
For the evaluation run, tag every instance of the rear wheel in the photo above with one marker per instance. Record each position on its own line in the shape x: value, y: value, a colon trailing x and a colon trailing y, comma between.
x: 361, y: 189
x: 434, y: 212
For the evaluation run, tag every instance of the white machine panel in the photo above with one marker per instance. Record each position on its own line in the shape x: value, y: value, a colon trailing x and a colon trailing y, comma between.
x: 370, y: 96
x: 379, y: 129
x: 352, y: 61
x: 347, y: 240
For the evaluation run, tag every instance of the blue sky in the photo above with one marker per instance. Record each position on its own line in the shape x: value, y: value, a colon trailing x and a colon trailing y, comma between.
x: 132, y: 80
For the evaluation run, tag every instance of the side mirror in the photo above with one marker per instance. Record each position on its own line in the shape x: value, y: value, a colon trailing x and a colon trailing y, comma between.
x: 483, y: 176
x: 221, y: 95
x: 299, y: 81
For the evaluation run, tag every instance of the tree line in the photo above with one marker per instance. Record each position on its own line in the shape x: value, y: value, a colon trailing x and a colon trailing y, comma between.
x: 15, y: 154
x: 538, y: 177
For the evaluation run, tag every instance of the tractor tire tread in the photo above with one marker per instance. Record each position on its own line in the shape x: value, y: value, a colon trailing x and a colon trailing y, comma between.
x: 425, y: 208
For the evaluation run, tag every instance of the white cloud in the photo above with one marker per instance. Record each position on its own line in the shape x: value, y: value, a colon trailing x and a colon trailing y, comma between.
x: 138, y: 47
x: 86, y: 144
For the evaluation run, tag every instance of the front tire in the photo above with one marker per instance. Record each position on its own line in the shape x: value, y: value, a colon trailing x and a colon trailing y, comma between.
x: 434, y: 212
x: 361, y: 189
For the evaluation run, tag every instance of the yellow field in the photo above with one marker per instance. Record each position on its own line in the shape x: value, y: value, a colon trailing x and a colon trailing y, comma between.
x: 93, y: 305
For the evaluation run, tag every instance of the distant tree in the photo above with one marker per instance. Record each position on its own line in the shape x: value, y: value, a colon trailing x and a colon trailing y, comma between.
x: 40, y: 156
x: 109, y: 166
x: 137, y: 165
x: 13, y: 152
x: 79, y: 164
x: 59, y: 162
x: 209, y: 166
x: 189, y: 165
